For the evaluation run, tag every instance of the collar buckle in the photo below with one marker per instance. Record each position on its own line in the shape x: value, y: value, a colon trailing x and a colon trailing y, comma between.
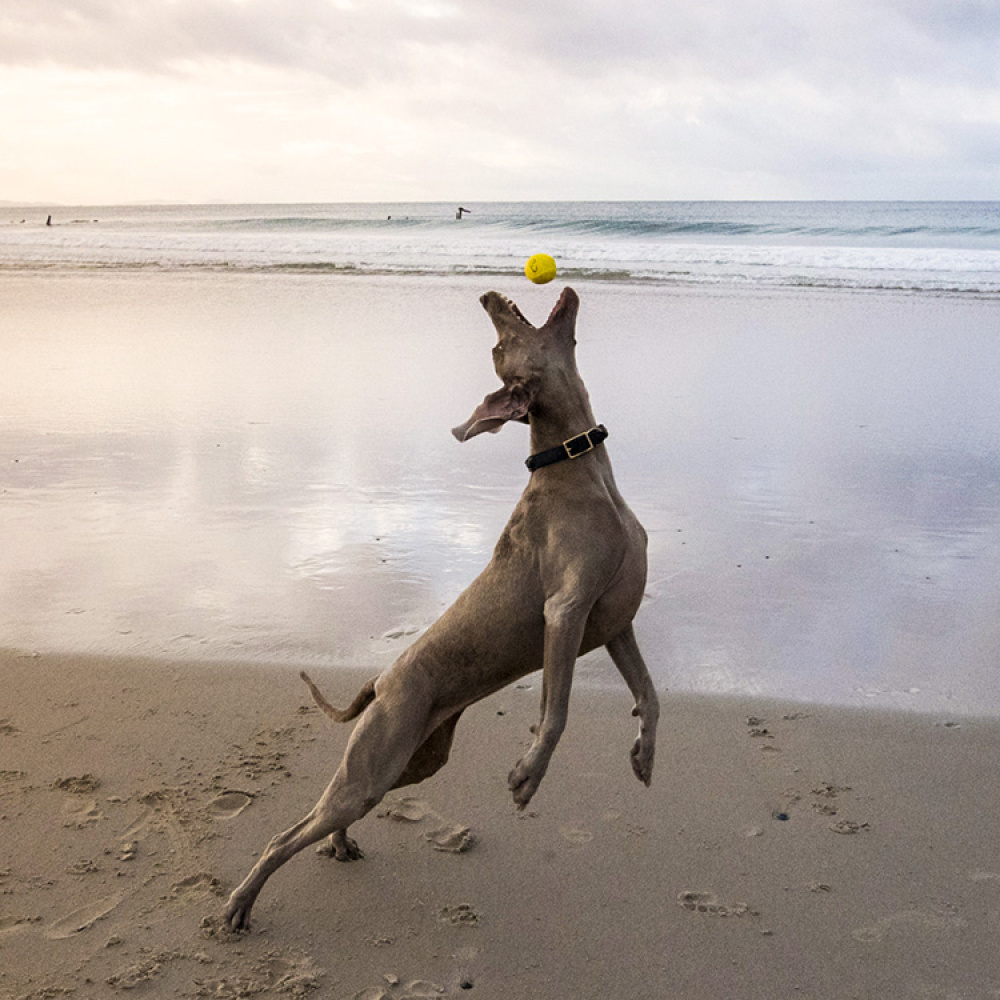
x: 579, y: 445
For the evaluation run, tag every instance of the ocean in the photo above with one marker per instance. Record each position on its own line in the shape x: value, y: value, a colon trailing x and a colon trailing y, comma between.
x: 224, y: 432
x: 949, y: 247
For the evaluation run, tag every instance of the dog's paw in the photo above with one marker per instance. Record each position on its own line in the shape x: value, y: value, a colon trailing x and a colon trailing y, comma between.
x: 522, y: 787
x: 347, y: 850
x: 341, y: 847
x: 642, y: 760
x: 524, y: 779
x: 237, y: 913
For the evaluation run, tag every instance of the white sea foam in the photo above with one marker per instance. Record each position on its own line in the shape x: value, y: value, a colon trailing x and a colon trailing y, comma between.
x: 937, y: 247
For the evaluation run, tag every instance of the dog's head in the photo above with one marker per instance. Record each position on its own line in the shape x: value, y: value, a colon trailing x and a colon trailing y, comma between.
x: 524, y: 357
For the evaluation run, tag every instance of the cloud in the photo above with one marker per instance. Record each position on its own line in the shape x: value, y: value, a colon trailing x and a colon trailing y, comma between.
x: 571, y: 98
x: 345, y: 40
x: 159, y: 36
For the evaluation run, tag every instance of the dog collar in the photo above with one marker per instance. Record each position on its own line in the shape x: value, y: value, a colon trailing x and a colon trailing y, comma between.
x: 573, y: 447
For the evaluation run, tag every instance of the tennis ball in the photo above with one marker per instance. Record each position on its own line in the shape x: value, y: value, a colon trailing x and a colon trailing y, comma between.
x: 540, y: 269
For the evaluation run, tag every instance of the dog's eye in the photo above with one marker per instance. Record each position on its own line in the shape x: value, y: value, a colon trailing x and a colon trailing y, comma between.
x: 498, y: 351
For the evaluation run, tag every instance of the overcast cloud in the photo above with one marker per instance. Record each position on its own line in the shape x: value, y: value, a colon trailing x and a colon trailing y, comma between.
x: 320, y: 100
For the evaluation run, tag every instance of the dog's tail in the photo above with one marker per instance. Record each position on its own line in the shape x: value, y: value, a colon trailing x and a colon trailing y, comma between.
x: 364, y: 698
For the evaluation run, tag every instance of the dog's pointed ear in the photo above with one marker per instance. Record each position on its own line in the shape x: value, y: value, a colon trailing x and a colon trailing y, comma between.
x: 512, y: 402
x: 562, y: 319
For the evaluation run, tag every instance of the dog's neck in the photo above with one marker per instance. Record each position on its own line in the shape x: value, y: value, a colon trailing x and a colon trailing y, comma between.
x: 561, y: 411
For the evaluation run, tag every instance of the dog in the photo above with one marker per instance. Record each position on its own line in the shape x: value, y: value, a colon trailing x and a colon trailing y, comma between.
x: 567, y: 576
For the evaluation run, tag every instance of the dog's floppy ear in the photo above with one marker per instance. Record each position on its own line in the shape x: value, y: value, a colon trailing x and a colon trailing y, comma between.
x: 512, y: 402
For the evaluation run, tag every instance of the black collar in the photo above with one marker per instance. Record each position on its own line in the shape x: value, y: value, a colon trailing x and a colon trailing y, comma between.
x: 574, y: 447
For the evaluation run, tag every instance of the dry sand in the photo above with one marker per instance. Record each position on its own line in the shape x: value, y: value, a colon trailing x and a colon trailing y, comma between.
x: 784, y: 850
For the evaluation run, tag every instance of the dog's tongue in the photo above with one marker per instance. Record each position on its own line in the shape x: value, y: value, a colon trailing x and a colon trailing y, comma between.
x: 509, y: 403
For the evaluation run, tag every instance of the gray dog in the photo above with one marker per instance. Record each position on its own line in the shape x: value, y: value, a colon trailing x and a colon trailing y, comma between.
x: 567, y: 576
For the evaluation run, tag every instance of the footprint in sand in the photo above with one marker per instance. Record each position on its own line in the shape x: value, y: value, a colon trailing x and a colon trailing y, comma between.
x: 80, y: 814
x: 827, y: 790
x: 407, y: 810
x: 83, y: 918
x: 706, y: 902
x: 452, y: 838
x: 446, y: 836
x: 576, y: 835
x: 460, y: 915
x: 9, y: 778
x: 289, y: 973
x: 229, y: 804
x: 77, y: 812
x: 168, y: 813
x: 138, y: 974
x: 292, y: 973
x: 419, y: 988
x: 848, y: 827
x: 197, y: 887
x: 82, y: 785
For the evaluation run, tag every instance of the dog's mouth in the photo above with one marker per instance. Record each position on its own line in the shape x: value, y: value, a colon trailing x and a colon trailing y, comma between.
x: 560, y: 303
x: 512, y: 306
x: 498, y: 305
x: 508, y: 304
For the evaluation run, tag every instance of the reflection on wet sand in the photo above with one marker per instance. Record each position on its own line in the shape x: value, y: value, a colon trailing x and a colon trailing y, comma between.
x: 260, y: 467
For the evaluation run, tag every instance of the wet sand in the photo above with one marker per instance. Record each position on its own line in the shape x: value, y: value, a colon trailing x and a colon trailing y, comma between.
x: 259, y: 467
x: 783, y: 850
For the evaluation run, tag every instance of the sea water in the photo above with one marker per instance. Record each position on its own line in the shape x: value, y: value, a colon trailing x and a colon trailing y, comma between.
x: 947, y: 246
x: 224, y: 432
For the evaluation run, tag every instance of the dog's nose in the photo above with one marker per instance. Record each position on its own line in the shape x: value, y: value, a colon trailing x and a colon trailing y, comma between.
x: 484, y: 299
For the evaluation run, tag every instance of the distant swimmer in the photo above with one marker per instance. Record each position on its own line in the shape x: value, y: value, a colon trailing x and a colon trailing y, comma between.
x: 458, y: 214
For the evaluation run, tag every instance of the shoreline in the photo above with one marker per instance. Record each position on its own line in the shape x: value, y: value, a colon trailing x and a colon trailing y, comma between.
x: 476, y: 279
x: 595, y: 677
x: 783, y: 848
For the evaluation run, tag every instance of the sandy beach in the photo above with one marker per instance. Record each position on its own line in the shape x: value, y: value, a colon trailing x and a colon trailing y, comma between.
x: 783, y: 850
x: 247, y: 474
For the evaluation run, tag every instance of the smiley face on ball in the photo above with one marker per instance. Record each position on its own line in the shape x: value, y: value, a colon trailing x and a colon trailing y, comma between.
x: 540, y: 268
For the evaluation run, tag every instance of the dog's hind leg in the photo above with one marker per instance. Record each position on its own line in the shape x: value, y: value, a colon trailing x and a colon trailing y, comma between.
x: 431, y: 755
x: 427, y: 759
x: 377, y: 754
x: 624, y: 651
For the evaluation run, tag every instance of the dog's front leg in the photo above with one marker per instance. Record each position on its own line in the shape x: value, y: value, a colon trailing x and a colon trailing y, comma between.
x: 624, y: 651
x: 564, y: 624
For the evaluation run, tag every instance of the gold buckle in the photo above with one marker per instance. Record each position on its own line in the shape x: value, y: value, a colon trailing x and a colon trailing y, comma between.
x: 569, y: 442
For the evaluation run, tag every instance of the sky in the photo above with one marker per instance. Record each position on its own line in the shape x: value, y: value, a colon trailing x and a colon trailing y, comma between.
x: 139, y: 101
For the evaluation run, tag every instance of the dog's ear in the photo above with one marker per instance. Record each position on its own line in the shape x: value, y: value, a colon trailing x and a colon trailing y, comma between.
x: 512, y: 402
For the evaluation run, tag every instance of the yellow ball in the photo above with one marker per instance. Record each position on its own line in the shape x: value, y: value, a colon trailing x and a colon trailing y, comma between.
x: 540, y: 269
